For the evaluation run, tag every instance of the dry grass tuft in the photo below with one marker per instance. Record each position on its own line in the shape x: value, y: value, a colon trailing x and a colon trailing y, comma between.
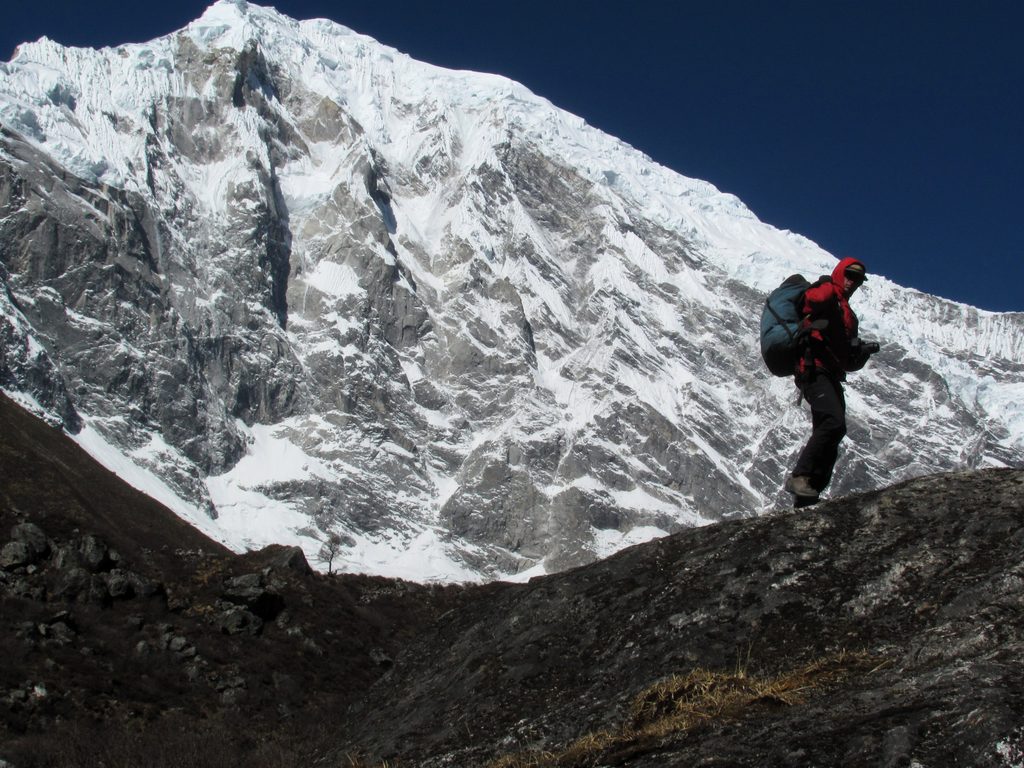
x: 211, y: 570
x: 684, y: 702
x: 354, y: 761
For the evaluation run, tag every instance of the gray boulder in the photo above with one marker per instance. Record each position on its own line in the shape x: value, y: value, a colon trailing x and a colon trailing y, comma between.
x: 71, y: 582
x: 289, y: 558
x: 237, y: 620
x: 120, y: 585
x: 15, y: 554
x: 34, y: 539
x: 250, y: 592
x: 95, y: 554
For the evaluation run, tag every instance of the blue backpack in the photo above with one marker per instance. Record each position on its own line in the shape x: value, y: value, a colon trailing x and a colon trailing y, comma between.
x: 781, y: 336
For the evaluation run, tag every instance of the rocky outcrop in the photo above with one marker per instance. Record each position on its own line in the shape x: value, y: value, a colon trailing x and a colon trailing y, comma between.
x: 126, y: 635
x: 899, y: 612
x: 79, y: 569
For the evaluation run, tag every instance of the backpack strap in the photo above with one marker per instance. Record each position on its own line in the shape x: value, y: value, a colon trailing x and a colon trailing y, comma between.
x: 780, y: 321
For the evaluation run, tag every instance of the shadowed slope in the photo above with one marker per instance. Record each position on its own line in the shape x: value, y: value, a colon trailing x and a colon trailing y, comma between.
x: 910, y: 597
x: 881, y: 629
x: 129, y: 638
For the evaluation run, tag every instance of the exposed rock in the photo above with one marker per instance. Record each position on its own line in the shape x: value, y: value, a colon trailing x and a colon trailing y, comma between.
x: 143, y: 587
x: 912, y: 598
x: 380, y: 658
x: 82, y: 568
x: 57, y: 633
x: 94, y: 554
x: 69, y: 583
x: 120, y: 585
x: 237, y: 620
x: 232, y: 689
x: 33, y: 537
x: 15, y: 554
x: 28, y: 589
x: 250, y: 591
x: 291, y: 558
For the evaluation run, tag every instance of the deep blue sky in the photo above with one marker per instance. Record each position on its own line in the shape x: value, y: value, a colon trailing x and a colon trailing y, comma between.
x: 890, y: 130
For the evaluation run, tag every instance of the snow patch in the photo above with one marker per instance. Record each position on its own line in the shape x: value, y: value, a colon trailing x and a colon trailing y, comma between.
x: 144, y: 480
x: 607, y: 542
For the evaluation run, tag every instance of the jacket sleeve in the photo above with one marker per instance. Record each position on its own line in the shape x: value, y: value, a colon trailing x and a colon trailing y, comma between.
x: 819, y: 302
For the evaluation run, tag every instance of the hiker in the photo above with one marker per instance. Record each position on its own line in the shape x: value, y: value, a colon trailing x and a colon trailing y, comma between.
x: 832, y: 348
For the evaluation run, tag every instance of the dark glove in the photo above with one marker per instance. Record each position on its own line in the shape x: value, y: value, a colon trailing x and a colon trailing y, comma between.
x: 860, y: 351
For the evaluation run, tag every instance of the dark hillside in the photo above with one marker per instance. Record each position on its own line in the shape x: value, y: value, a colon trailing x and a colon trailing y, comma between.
x: 879, y: 630
x: 129, y: 638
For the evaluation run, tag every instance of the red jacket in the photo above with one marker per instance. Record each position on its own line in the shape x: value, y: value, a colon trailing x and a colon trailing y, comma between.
x: 830, y: 348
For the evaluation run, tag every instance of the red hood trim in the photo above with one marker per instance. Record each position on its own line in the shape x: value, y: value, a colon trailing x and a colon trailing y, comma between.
x: 837, y: 274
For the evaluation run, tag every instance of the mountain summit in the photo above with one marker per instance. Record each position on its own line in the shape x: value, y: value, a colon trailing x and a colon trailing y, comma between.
x: 291, y: 282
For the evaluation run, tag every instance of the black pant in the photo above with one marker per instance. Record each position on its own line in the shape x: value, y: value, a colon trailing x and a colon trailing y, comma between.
x: 828, y: 417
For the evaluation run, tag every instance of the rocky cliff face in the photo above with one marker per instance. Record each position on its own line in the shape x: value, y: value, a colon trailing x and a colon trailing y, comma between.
x: 293, y: 283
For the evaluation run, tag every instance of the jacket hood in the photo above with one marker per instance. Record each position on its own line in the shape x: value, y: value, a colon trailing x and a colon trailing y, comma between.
x: 837, y: 273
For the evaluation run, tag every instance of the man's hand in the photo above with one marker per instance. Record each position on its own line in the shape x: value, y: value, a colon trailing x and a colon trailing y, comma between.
x: 860, y: 351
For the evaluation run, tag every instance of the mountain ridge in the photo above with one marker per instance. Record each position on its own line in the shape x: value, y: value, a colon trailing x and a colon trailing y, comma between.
x: 908, y: 597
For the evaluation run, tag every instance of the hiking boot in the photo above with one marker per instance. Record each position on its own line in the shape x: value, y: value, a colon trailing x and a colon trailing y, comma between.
x: 801, y: 487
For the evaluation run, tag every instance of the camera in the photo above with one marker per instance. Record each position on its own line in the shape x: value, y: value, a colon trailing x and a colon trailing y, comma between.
x: 862, y: 350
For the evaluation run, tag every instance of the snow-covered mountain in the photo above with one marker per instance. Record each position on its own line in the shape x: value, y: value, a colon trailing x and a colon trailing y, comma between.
x: 292, y: 282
